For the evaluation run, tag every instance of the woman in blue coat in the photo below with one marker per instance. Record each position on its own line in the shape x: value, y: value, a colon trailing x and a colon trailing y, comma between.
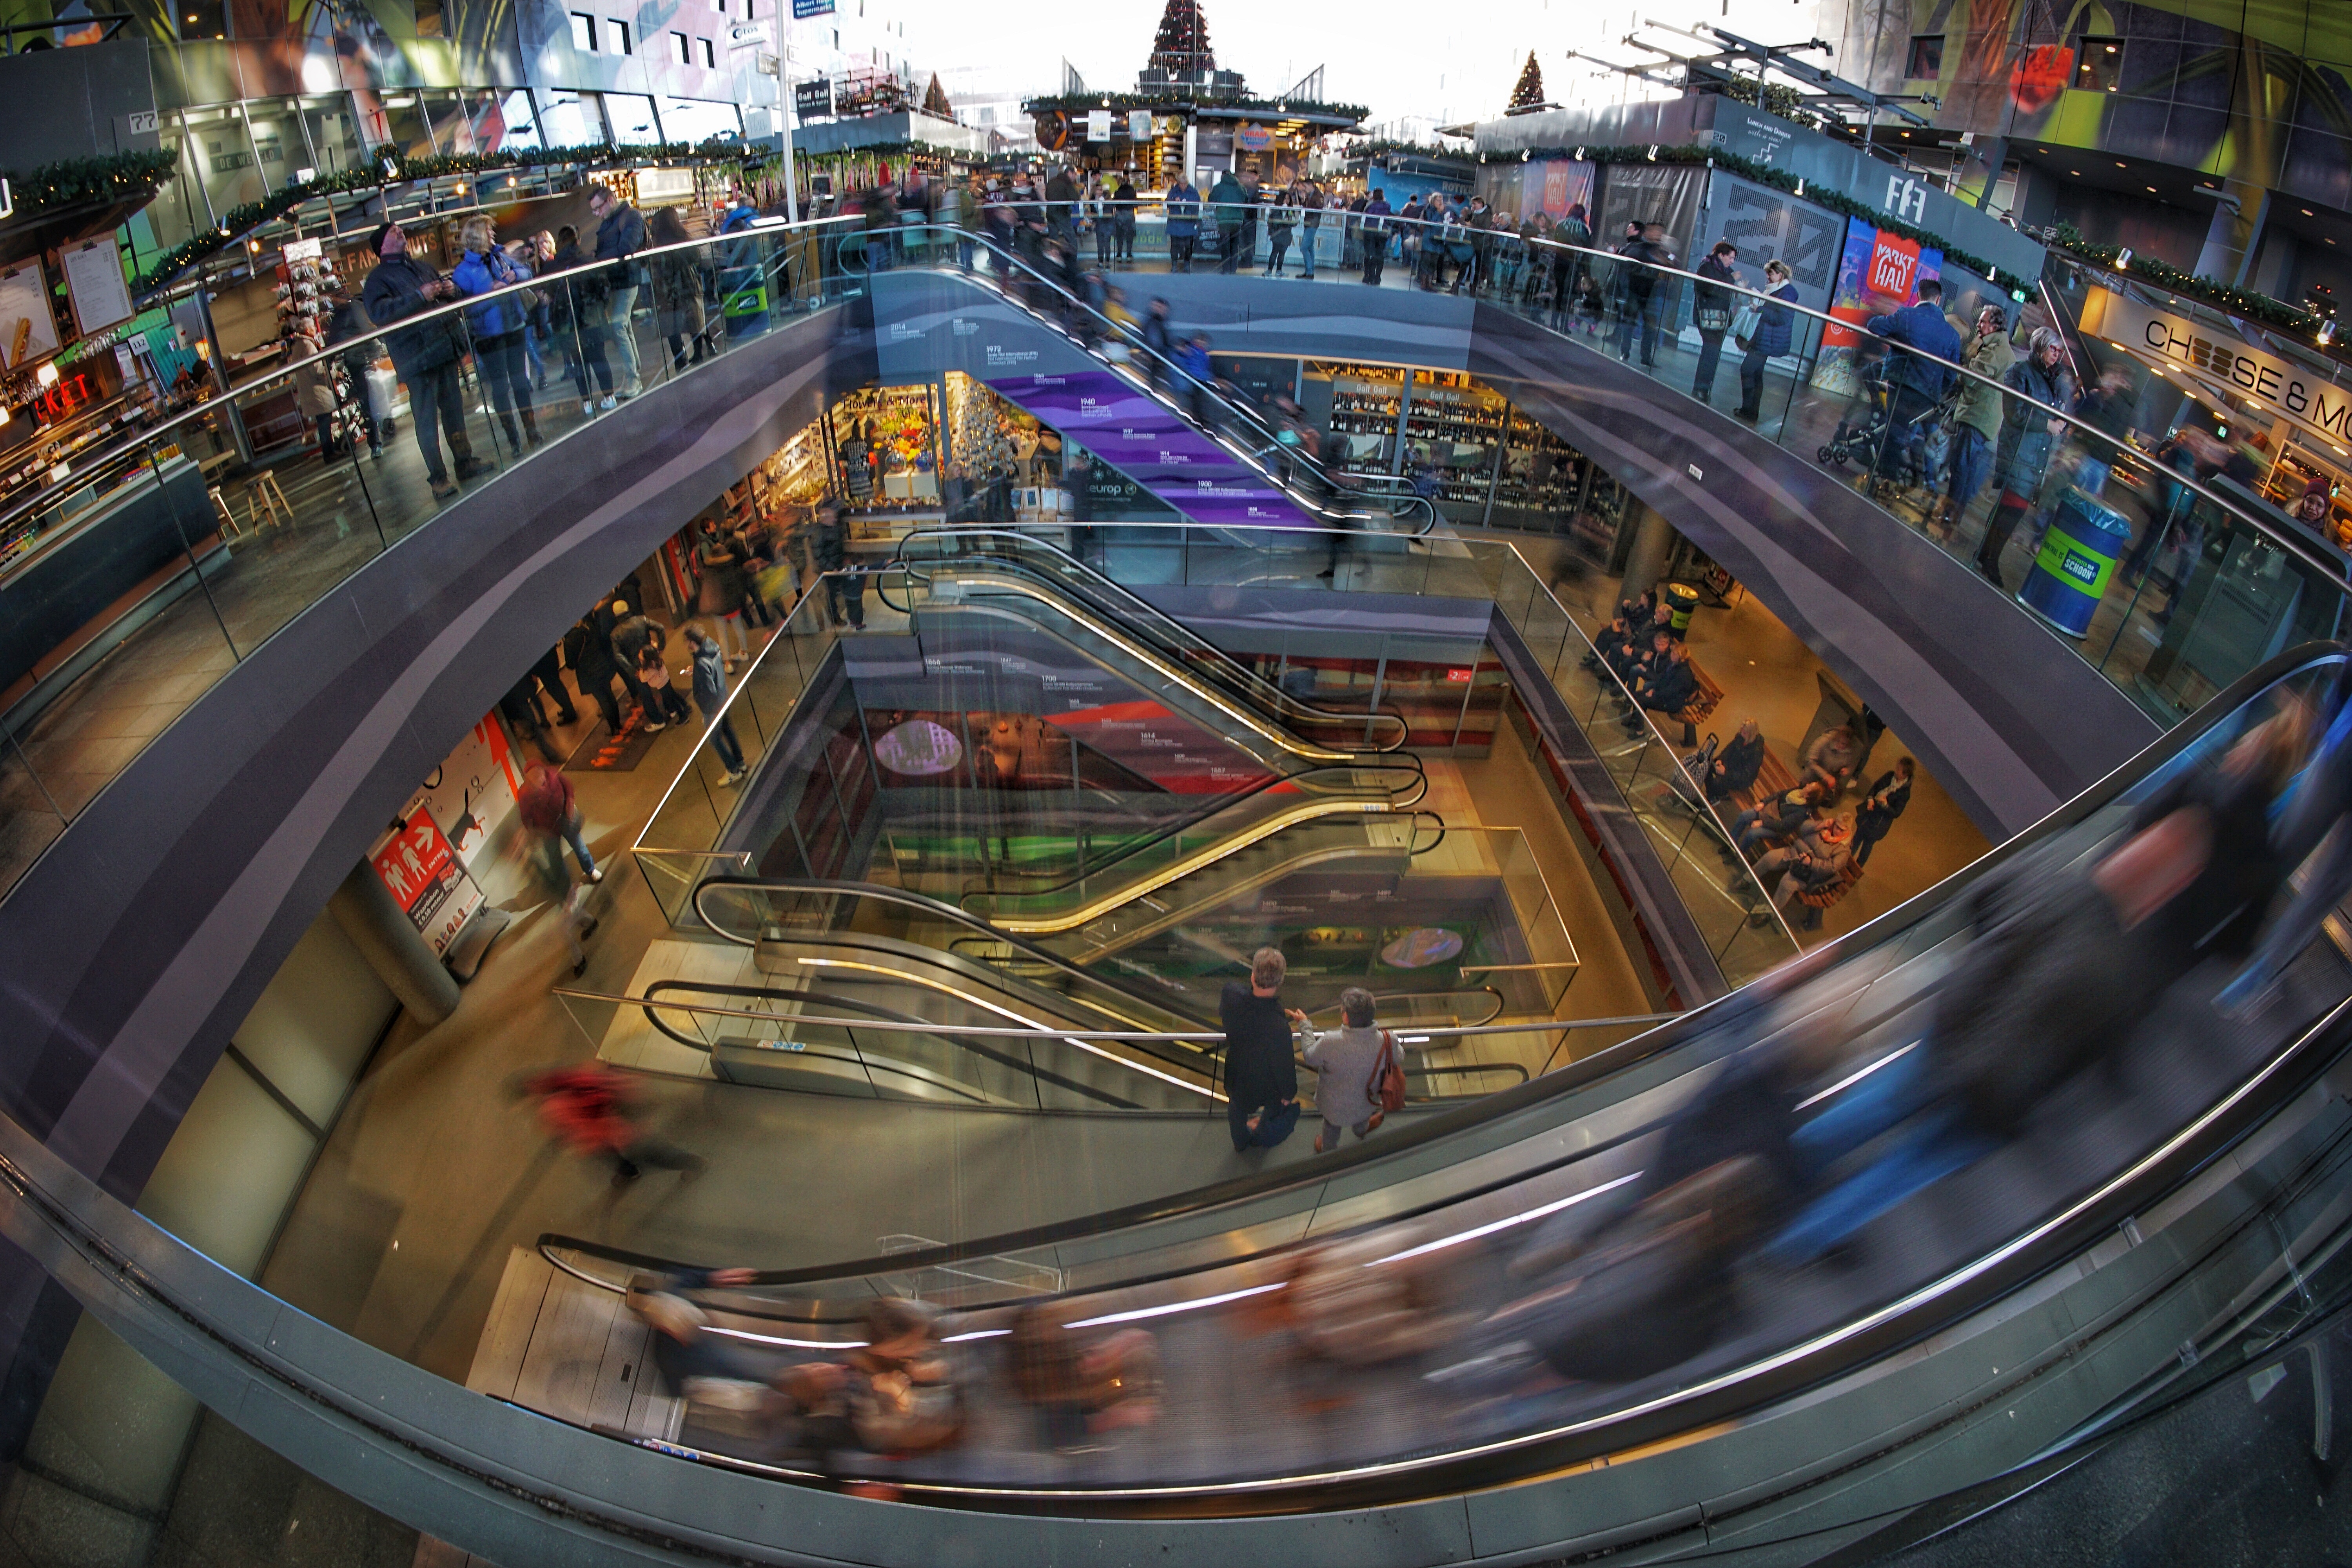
x: 498, y: 325
x: 1775, y: 329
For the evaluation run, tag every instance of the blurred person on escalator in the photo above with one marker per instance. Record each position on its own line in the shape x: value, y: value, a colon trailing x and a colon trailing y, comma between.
x: 1199, y: 379
x: 845, y: 590
x: 1349, y: 1064
x: 1261, y: 1074
x: 896, y: 1394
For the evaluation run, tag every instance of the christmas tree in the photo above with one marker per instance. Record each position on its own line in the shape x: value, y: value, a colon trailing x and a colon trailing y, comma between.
x: 1529, y: 93
x: 1181, y: 46
x: 935, y: 101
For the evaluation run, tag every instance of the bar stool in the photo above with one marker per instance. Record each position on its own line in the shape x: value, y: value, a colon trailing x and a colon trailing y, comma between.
x: 262, y: 495
x: 220, y: 506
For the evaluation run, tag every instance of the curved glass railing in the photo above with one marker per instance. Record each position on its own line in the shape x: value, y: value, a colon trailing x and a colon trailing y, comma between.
x: 1536, y: 1349
x: 1260, y: 436
x: 2168, y: 574
x: 134, y: 576
x: 1041, y: 560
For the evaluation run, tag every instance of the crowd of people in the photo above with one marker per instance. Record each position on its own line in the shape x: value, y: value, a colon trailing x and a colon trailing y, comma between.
x: 1765, y: 1202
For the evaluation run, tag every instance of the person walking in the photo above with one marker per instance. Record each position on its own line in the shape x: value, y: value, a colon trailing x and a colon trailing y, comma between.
x: 1122, y: 220
x: 1184, y: 205
x: 1348, y: 1062
x: 1261, y: 1076
x: 709, y: 682
x: 2028, y: 432
x: 1232, y: 205
x: 547, y: 675
x: 1375, y: 240
x: 1711, y: 312
x: 1774, y: 329
x: 621, y: 234
x: 720, y: 591
x: 845, y: 590
x: 425, y: 354
x: 498, y: 326
x: 588, y: 1108
x: 1976, y: 422
x: 1929, y: 348
x: 1640, y: 276
x: 1197, y: 378
x: 1888, y: 798
x: 551, y: 817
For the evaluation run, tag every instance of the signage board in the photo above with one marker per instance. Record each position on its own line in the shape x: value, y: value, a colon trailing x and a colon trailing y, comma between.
x: 27, y: 331
x: 1254, y: 138
x: 1098, y: 125
x: 427, y: 881
x: 804, y: 9
x: 2289, y: 391
x: 814, y: 99
x: 1139, y: 125
x: 94, y: 282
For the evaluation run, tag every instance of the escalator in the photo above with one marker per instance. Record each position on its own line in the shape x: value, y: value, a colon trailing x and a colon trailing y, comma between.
x: 2193, y: 1153
x: 1199, y: 448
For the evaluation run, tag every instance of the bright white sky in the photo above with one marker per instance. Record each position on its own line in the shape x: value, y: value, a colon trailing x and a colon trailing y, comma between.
x: 1454, y: 62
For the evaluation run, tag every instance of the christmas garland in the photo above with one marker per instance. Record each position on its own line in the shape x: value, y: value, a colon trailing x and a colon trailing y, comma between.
x: 1780, y: 179
x: 1079, y: 102
x: 393, y: 169
x: 75, y: 182
x: 2244, y: 303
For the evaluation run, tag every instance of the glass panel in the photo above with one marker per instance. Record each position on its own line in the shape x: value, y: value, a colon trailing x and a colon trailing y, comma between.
x: 505, y: 120
x: 334, y: 133
x: 631, y: 116
x: 572, y: 119
x: 695, y: 120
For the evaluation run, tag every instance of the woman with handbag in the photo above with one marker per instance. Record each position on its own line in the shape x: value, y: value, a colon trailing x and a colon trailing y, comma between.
x: 1358, y: 1071
x: 1772, y: 333
x: 1711, y: 312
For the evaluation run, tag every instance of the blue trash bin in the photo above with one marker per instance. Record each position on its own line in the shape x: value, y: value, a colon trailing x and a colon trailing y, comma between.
x: 2078, y: 556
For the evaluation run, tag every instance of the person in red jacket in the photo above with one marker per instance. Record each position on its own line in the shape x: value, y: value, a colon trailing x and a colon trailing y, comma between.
x: 552, y: 813
x: 587, y: 1107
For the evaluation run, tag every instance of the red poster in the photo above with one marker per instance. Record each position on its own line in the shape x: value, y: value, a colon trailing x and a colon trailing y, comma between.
x: 1894, y: 267
x: 1554, y: 196
x: 419, y: 869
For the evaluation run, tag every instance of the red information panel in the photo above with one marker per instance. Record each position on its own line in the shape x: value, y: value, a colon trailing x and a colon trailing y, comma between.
x: 419, y: 869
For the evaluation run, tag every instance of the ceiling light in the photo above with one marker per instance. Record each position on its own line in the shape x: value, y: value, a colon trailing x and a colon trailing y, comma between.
x: 2151, y: 189
x: 2121, y: 164
x: 2076, y: 172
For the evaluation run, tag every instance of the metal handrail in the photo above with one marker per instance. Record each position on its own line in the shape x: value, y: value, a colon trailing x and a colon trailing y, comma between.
x: 2338, y: 570
x: 172, y: 426
x: 1115, y: 331
x: 1134, y: 606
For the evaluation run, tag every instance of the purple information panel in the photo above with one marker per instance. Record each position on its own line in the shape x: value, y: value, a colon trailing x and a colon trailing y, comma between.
x: 1139, y: 436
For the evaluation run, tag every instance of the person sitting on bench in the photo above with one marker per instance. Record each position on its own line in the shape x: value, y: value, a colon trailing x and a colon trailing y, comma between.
x: 1670, y: 683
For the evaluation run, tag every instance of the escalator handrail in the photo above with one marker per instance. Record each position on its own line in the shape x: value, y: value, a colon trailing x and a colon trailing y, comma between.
x: 1107, y: 625
x: 1419, y: 790
x: 1113, y: 332
x: 918, y: 901
x: 1587, y: 1071
x: 1190, y: 647
x: 793, y: 994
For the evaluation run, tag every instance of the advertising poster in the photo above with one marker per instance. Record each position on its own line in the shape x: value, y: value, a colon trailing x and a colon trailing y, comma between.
x: 426, y: 880
x: 27, y: 331
x: 1879, y: 271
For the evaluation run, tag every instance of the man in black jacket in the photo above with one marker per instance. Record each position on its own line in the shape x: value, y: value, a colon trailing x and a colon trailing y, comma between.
x: 1261, y: 1073
x: 1669, y: 686
x: 620, y: 232
x: 425, y: 355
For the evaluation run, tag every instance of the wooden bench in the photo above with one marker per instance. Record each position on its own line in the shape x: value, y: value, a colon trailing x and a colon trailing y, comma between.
x: 1816, y: 900
x: 1774, y: 778
x: 1694, y: 711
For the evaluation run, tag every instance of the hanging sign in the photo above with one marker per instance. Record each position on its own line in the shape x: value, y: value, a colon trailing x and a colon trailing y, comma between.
x: 804, y: 9
x: 1139, y: 125
x: 427, y: 881
x: 1255, y: 138
x: 1098, y: 125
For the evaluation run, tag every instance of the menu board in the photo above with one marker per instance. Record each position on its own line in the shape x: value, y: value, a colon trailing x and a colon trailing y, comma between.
x: 27, y: 331
x: 94, y: 280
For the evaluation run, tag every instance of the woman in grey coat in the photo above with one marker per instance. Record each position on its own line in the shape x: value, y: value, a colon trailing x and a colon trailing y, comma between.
x: 1343, y: 1059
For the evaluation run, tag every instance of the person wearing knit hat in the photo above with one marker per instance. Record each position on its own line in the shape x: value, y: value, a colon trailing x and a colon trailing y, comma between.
x: 424, y: 355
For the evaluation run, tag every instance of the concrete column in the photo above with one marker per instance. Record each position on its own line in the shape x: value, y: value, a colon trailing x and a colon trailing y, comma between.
x: 2234, y: 234
x: 1645, y: 560
x: 388, y: 939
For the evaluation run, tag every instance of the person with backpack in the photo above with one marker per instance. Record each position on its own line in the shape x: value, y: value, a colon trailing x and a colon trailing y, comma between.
x: 1350, y: 1064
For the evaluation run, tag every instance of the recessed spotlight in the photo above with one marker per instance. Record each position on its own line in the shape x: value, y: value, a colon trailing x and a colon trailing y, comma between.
x: 2076, y: 172
x: 2151, y: 189
x: 2121, y: 164
x: 2307, y: 212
